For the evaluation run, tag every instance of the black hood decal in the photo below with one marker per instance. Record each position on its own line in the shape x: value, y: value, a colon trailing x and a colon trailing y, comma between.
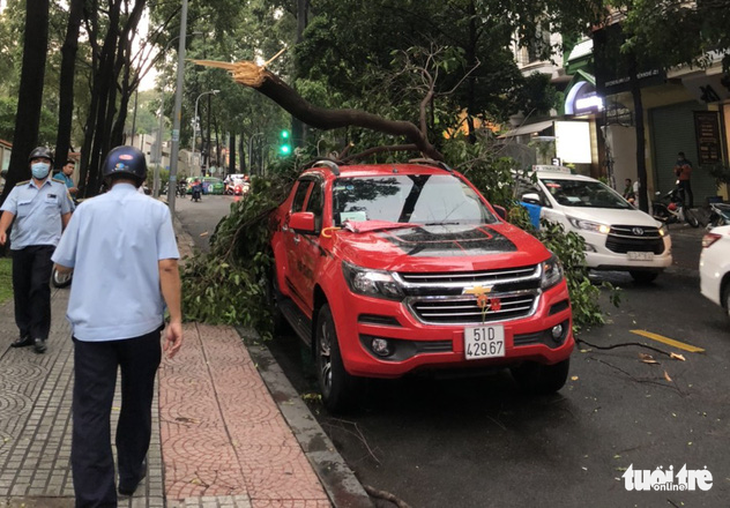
x: 449, y: 241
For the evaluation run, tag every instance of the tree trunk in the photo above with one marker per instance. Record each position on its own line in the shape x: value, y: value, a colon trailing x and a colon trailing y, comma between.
x: 640, y: 135
x: 66, y: 85
x: 232, y: 153
x: 30, y: 97
x: 242, y: 153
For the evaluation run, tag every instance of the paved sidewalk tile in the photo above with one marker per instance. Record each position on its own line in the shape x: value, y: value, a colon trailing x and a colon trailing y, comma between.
x: 216, y: 409
x: 222, y: 438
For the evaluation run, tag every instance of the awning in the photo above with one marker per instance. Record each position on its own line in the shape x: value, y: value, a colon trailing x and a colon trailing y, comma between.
x: 531, y: 128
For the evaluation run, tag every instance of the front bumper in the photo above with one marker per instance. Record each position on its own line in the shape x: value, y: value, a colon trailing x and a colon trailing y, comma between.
x: 421, y: 346
x: 600, y: 257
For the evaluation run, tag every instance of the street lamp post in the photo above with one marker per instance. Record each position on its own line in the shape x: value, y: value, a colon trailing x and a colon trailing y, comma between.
x: 175, y: 148
x: 195, y: 121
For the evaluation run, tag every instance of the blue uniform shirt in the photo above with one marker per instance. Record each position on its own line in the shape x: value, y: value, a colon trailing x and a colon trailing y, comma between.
x: 114, y: 243
x: 38, y: 212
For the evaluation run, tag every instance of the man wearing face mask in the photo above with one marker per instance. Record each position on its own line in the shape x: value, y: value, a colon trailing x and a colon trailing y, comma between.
x: 41, y: 208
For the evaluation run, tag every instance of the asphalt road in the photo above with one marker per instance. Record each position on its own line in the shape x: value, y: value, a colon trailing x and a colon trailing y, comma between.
x: 479, y: 442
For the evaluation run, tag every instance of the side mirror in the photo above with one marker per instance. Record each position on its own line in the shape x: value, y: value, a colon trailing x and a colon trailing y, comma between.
x: 501, y: 212
x: 531, y: 198
x: 302, y: 222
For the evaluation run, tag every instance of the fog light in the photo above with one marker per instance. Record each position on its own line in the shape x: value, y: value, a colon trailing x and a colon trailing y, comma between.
x: 589, y: 248
x: 381, y: 347
x: 557, y: 331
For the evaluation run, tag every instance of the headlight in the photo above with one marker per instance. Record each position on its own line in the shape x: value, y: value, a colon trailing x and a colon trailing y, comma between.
x: 587, y: 225
x: 552, y: 272
x: 664, y: 230
x: 375, y: 283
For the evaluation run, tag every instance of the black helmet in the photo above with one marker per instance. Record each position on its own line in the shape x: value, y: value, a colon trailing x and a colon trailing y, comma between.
x: 127, y: 161
x: 41, y: 151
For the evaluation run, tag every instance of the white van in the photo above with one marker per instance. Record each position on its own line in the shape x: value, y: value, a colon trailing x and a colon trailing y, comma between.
x: 617, y: 235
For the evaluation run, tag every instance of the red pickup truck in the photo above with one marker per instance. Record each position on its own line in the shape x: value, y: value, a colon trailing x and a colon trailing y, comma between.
x: 391, y: 269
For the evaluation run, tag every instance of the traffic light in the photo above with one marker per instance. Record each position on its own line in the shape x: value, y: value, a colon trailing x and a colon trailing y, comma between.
x: 284, y: 143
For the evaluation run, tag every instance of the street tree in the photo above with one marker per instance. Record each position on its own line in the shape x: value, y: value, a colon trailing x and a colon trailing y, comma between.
x: 30, y: 97
x: 665, y: 35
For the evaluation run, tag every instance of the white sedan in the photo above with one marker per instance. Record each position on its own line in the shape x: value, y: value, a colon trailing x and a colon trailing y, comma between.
x: 715, y: 267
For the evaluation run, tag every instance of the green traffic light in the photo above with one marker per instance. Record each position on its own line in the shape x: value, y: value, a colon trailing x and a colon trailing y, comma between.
x: 285, y: 149
x: 285, y: 134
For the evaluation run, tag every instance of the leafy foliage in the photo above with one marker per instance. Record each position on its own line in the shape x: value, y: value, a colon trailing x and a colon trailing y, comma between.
x: 570, y: 249
x: 230, y: 284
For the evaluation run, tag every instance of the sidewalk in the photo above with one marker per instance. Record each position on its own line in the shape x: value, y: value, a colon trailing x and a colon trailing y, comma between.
x: 228, y: 430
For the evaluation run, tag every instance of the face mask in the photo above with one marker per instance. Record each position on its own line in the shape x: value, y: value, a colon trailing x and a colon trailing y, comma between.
x: 40, y: 170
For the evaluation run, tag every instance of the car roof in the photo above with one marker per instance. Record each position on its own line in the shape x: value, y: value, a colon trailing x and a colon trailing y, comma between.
x: 362, y: 170
x: 557, y: 175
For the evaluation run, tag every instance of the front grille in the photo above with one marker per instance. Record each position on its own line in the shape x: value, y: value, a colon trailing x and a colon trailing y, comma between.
x: 470, y: 278
x: 623, y: 239
x: 465, y: 310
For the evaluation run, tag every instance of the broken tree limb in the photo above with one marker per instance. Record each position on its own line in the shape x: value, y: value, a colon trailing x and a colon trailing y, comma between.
x: 266, y: 82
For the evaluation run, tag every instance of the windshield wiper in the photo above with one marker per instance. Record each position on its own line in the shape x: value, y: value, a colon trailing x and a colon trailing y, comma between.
x: 444, y: 223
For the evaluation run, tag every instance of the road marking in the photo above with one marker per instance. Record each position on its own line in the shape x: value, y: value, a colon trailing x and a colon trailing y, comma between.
x: 668, y: 341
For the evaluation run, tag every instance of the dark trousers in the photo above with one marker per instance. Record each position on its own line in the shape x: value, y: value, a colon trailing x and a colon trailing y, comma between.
x: 686, y: 190
x: 32, y: 268
x: 95, y: 375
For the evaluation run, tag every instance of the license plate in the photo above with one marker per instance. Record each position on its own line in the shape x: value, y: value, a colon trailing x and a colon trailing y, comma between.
x: 640, y: 256
x: 484, y: 342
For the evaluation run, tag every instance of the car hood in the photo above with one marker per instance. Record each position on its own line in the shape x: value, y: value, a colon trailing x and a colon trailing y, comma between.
x: 441, y: 248
x: 610, y: 217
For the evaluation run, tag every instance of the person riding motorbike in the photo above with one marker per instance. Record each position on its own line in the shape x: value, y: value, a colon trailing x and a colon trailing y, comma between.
x: 197, y: 190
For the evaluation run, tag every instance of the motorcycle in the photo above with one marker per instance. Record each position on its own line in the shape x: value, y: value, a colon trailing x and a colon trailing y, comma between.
x: 719, y: 215
x: 196, y: 193
x: 670, y: 208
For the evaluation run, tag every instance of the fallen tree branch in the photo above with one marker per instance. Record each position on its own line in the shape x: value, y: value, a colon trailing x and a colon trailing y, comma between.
x: 625, y: 344
x: 266, y: 82
x: 381, y: 494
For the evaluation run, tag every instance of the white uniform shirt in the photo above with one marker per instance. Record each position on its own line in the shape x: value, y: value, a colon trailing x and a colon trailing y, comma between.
x: 38, y: 212
x: 114, y: 243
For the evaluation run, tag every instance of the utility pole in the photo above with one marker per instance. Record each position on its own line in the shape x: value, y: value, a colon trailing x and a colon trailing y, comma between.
x: 175, y: 149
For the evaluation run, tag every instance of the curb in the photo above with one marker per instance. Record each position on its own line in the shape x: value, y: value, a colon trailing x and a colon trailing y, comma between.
x: 338, y: 480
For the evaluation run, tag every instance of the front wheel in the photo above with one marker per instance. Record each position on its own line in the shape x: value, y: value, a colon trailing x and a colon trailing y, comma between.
x: 339, y: 389
x: 691, y: 219
x: 60, y: 280
x: 538, y: 379
x: 643, y: 277
x: 726, y: 300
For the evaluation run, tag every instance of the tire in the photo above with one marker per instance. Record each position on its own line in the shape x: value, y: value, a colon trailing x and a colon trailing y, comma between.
x: 280, y: 325
x: 538, y: 379
x: 726, y: 299
x: 60, y: 280
x: 690, y: 218
x: 643, y: 276
x: 339, y: 389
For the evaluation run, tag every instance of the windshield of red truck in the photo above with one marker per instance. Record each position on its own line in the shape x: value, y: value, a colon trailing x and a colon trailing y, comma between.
x: 415, y: 199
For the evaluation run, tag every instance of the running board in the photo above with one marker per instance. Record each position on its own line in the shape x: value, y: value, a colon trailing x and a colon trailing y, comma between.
x: 296, y: 318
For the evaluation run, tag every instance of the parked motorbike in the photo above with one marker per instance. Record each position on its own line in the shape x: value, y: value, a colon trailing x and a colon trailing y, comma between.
x: 719, y: 215
x: 669, y: 208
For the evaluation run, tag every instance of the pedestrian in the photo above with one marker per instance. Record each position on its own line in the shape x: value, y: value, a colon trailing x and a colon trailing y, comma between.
x: 629, y: 194
x: 121, y: 240
x: 66, y: 174
x: 41, y: 208
x: 683, y: 172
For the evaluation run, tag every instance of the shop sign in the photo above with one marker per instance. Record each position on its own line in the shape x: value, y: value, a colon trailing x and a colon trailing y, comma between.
x: 707, y: 131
